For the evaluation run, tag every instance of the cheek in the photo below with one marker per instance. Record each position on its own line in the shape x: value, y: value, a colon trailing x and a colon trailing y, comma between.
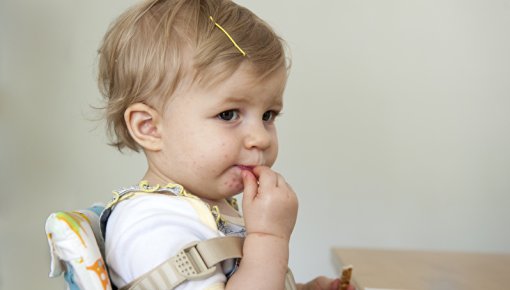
x: 227, y: 158
x: 276, y: 148
x: 272, y: 154
x: 215, y: 156
x: 224, y: 150
x: 270, y: 160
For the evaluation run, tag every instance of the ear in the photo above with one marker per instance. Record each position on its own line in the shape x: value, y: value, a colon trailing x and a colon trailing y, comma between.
x: 144, y: 126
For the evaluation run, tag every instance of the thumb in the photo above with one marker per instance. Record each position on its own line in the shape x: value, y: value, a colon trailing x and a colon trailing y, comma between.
x: 250, y: 185
x: 335, y: 284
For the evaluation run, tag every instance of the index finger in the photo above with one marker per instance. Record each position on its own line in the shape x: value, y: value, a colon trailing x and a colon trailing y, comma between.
x: 266, y: 176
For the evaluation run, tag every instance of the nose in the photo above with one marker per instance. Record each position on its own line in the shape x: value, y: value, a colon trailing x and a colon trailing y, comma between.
x: 258, y: 136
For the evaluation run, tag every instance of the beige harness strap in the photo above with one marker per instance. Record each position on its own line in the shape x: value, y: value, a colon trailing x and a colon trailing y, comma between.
x: 196, y: 261
x: 216, y: 250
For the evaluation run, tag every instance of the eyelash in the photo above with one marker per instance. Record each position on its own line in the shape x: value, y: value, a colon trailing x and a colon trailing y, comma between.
x: 228, y: 118
x: 222, y: 116
x: 273, y: 116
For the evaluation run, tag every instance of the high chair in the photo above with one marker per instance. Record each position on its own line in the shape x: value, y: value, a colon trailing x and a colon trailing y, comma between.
x: 77, y: 251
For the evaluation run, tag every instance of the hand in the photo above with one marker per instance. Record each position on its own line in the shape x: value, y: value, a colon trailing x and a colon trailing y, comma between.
x: 269, y: 205
x: 322, y: 283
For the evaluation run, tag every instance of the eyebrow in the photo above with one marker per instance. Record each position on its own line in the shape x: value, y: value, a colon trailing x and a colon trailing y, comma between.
x: 246, y: 99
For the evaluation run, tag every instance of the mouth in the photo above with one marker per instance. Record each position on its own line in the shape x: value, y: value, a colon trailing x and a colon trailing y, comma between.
x: 246, y: 167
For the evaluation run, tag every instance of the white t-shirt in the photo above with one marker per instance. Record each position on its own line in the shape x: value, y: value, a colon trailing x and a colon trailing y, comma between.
x: 144, y: 231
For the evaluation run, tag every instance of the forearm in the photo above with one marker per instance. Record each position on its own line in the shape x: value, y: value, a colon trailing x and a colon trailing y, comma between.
x: 264, y: 263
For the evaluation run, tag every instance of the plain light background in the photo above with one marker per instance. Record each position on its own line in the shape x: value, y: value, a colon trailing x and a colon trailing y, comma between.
x: 395, y: 132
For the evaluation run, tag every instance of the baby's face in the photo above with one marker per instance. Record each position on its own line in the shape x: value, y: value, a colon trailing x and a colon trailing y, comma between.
x: 211, y: 135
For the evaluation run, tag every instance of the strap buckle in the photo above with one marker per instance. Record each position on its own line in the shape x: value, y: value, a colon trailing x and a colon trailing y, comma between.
x: 190, y: 264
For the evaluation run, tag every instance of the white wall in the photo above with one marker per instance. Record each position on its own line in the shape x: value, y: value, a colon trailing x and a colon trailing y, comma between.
x: 395, y: 132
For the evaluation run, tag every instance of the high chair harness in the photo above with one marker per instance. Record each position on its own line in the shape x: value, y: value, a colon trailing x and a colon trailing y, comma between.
x: 195, y: 261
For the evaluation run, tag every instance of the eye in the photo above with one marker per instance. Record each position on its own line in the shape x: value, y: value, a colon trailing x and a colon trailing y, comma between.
x: 229, y: 115
x: 269, y: 116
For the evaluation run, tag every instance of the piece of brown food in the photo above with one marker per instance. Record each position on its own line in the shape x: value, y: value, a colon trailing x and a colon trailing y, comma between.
x: 345, y: 279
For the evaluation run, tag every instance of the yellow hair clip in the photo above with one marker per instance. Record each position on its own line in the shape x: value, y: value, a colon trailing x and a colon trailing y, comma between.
x: 228, y: 35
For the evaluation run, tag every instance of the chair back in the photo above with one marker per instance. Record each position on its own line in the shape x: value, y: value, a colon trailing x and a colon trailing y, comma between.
x: 77, y: 248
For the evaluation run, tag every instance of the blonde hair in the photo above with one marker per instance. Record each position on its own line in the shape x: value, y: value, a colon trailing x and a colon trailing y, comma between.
x: 149, y: 49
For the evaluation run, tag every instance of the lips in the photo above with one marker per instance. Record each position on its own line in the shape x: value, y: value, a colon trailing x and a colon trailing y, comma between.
x: 246, y: 167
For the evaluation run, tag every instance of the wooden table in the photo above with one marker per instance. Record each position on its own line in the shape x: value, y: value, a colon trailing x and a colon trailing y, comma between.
x: 425, y: 270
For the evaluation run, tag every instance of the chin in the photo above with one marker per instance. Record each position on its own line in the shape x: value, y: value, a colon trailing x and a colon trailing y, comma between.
x: 234, y: 188
x: 235, y: 191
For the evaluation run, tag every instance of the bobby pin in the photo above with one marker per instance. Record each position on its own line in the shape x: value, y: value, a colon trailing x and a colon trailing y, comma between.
x: 228, y: 35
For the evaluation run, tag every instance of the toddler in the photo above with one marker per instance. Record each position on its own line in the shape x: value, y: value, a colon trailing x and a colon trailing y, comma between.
x: 197, y: 86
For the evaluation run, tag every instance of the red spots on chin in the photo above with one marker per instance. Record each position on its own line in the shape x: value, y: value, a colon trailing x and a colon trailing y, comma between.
x: 234, y: 184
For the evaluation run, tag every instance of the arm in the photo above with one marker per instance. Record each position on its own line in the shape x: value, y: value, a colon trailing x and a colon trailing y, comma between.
x: 270, y: 210
x: 145, y: 231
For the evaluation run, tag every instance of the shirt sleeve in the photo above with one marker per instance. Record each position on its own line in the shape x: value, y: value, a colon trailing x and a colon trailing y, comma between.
x: 145, y: 231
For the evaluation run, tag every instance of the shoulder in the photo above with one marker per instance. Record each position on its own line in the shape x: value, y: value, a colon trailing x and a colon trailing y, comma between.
x: 160, y: 210
x: 153, y: 228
